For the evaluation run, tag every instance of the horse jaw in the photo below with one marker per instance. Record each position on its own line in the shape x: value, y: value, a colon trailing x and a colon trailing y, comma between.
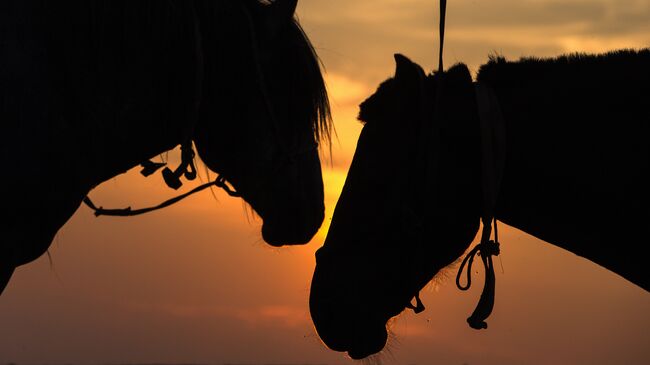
x: 296, y: 220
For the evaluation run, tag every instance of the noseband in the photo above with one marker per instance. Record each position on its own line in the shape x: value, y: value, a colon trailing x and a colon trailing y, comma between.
x: 187, y: 168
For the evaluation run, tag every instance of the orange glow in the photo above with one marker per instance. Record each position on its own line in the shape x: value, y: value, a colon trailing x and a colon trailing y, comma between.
x: 195, y: 283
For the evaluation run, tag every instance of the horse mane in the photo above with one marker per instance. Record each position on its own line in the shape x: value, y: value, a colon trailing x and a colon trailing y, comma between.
x: 302, y: 61
x: 579, y: 67
x: 372, y: 108
x: 311, y: 83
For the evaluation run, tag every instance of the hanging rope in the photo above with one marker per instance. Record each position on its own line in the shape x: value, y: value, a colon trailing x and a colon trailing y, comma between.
x: 492, y: 163
x: 128, y: 212
x: 486, y: 249
x: 443, y: 12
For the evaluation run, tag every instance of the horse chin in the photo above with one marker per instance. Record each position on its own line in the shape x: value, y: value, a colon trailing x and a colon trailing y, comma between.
x: 347, y: 315
x: 276, y: 239
x: 360, y: 338
x: 369, y: 341
x: 279, y: 235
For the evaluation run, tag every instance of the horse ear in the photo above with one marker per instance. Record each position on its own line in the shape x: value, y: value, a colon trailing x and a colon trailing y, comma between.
x: 407, y: 70
x: 279, y: 13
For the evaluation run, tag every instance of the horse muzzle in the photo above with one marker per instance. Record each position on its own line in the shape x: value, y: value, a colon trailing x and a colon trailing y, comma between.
x: 344, y: 314
x: 292, y: 228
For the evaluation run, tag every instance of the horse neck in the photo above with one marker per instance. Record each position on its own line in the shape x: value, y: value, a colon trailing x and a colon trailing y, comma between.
x: 132, y: 99
x: 123, y: 146
x: 572, y: 180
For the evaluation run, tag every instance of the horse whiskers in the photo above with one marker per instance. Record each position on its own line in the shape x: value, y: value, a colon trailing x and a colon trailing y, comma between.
x: 387, y: 352
x: 376, y: 359
x: 392, y: 343
x: 443, y: 275
x: 49, y: 259
x: 207, y: 178
x: 251, y: 214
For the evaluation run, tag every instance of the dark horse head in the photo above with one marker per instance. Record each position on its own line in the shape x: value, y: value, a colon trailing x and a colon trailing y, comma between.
x: 270, y: 110
x: 123, y: 81
x: 410, y: 206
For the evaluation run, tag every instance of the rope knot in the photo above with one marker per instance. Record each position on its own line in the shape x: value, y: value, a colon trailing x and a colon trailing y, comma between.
x: 489, y: 248
x: 223, y: 184
x: 486, y: 249
x: 186, y: 168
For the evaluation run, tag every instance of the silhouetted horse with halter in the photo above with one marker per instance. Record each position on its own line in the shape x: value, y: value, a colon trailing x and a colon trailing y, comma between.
x: 573, y: 142
x: 90, y: 89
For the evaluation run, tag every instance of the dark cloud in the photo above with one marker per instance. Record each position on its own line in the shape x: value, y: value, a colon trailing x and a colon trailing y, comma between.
x: 360, y: 37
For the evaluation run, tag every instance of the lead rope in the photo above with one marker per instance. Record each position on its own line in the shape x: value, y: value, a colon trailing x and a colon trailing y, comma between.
x: 443, y: 13
x: 486, y: 249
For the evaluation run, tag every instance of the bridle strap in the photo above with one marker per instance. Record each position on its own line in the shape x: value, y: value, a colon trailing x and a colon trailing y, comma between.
x: 492, y: 165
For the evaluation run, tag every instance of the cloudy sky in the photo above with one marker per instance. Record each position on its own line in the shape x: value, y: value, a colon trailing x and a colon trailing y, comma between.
x: 196, y: 284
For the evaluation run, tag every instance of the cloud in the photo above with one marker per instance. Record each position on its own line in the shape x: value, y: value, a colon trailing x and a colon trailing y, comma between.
x: 265, y: 315
x: 345, y: 91
x: 360, y: 37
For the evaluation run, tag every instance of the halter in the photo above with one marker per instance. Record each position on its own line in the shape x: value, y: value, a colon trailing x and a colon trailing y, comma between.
x: 187, y: 168
x: 492, y: 164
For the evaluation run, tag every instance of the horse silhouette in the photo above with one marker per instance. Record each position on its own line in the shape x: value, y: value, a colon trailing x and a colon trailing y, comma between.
x: 90, y: 89
x: 576, y: 175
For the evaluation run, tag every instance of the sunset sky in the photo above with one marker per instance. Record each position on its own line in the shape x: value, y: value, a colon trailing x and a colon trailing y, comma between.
x: 195, y: 283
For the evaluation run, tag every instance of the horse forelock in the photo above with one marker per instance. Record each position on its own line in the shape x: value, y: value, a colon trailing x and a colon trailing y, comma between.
x: 370, y: 109
x: 395, y: 96
x: 299, y: 57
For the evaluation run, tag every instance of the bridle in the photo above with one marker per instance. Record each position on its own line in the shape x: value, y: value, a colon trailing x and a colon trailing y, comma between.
x: 187, y: 168
x: 492, y: 130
